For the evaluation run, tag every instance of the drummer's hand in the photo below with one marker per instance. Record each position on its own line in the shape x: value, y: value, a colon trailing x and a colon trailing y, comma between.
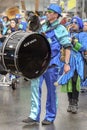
x: 66, y: 68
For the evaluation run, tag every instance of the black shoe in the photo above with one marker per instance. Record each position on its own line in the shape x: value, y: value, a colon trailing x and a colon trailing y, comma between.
x: 46, y: 122
x: 30, y: 121
x: 75, y: 106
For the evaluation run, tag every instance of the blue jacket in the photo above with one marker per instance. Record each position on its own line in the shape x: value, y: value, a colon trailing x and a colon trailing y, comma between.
x: 57, y: 38
x: 76, y: 59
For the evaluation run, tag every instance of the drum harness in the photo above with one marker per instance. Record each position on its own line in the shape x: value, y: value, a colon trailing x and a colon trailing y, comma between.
x: 51, y: 28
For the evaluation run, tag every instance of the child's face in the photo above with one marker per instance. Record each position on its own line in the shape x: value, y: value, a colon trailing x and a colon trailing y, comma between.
x: 13, y: 24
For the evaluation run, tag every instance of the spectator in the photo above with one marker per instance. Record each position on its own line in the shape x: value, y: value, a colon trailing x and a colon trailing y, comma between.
x: 22, y: 25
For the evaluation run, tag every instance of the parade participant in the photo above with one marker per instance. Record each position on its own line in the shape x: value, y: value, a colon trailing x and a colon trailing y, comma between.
x: 58, y: 37
x: 12, y: 26
x: 72, y: 80
x: 22, y: 25
x: 6, y: 23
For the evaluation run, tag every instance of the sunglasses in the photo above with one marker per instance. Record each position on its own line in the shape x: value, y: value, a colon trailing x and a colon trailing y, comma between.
x: 74, y: 23
x: 50, y: 11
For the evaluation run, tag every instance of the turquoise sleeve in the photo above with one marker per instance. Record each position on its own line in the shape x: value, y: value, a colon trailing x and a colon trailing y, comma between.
x: 63, y: 36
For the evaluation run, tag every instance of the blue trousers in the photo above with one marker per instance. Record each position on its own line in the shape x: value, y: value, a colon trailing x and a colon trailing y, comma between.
x: 50, y: 76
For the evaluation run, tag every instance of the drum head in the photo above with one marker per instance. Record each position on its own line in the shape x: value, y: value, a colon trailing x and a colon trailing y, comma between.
x: 33, y: 56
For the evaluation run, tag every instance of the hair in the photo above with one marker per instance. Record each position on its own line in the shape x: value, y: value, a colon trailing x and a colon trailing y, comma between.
x: 34, y: 24
x: 6, y: 17
x: 16, y: 27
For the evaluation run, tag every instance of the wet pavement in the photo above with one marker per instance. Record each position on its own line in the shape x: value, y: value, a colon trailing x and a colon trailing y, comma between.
x: 15, y: 106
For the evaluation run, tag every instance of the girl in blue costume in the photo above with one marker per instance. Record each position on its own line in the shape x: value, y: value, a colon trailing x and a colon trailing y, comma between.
x: 57, y: 36
x: 72, y: 80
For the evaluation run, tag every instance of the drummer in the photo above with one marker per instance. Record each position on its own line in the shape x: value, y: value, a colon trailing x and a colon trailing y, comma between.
x: 57, y: 36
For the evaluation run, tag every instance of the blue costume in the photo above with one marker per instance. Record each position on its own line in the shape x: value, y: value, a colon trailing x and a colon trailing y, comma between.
x: 57, y: 38
x: 71, y: 81
x: 23, y: 24
x: 76, y: 58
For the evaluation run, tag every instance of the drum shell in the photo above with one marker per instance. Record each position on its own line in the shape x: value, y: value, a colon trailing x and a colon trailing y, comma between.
x: 26, y: 54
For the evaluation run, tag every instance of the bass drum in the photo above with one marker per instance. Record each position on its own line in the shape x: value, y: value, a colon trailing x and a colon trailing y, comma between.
x: 26, y: 54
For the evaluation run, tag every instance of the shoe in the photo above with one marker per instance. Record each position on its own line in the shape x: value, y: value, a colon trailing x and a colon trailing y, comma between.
x: 30, y: 121
x: 74, y: 109
x: 46, y: 122
x: 75, y: 106
x: 69, y: 109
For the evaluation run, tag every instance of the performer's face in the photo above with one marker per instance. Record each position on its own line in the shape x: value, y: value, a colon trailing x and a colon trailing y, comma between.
x: 75, y: 25
x: 51, y: 16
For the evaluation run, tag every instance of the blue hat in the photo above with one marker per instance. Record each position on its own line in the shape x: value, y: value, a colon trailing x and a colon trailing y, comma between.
x: 18, y: 16
x: 78, y: 20
x: 56, y: 8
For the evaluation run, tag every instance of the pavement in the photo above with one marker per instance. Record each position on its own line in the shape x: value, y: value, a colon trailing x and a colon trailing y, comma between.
x: 15, y: 106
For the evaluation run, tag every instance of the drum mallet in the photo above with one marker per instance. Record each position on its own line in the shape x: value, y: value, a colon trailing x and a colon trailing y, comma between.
x: 56, y: 83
